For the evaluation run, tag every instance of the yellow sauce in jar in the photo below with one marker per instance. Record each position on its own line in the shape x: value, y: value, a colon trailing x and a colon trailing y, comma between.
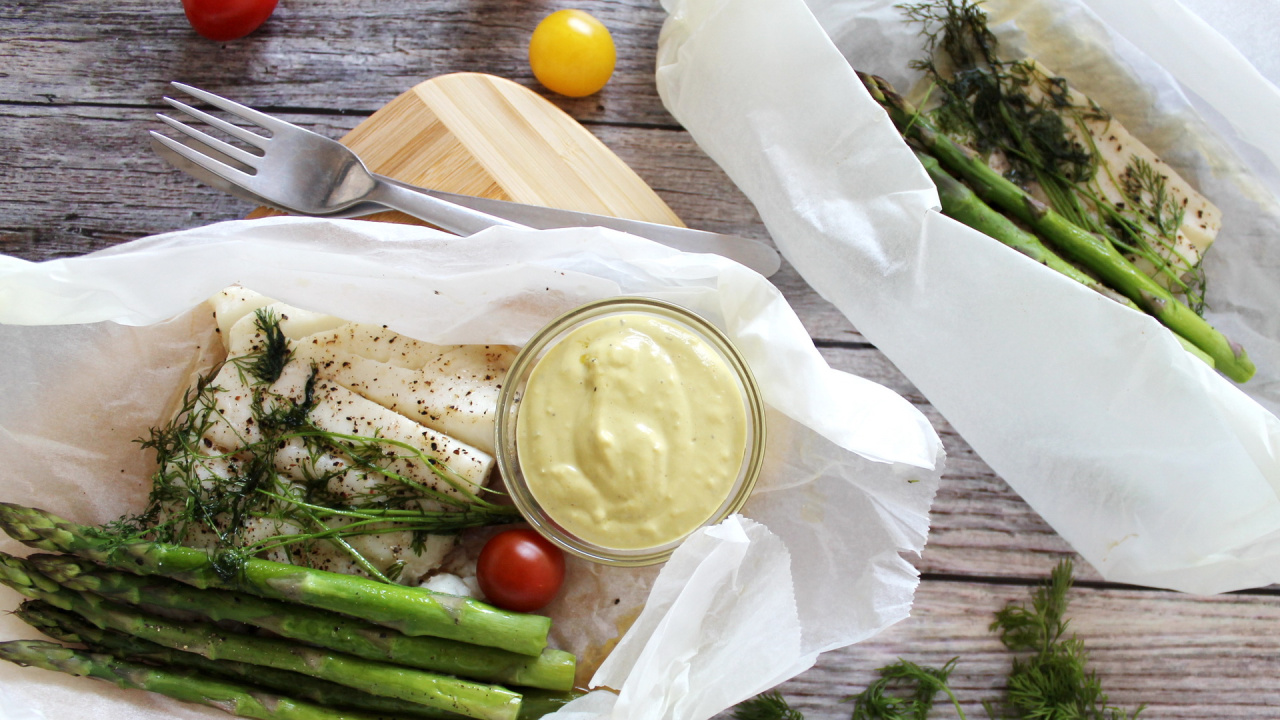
x: 631, y: 431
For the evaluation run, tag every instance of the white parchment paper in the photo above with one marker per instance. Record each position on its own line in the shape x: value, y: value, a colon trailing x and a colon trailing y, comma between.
x: 1156, y: 469
x: 96, y: 348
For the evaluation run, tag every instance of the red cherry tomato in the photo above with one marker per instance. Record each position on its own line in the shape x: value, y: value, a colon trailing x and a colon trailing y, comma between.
x: 227, y: 19
x: 520, y: 570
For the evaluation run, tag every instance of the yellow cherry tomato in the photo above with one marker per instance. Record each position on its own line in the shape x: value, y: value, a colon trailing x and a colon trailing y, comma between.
x: 572, y: 53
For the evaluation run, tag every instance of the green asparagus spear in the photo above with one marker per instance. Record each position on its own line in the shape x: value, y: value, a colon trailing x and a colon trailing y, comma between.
x: 412, y: 611
x: 1092, y: 252
x: 71, y: 628
x: 475, y: 700
x: 961, y: 204
x: 229, y: 697
x: 553, y: 669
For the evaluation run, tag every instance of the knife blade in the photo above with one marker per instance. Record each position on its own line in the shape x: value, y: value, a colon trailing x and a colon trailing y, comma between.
x: 752, y: 253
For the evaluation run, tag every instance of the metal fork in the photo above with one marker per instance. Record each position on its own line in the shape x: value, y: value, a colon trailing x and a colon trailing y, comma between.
x: 299, y: 170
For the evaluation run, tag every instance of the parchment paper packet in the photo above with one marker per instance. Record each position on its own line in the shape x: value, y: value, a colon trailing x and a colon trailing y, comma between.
x: 96, y: 348
x: 1156, y: 469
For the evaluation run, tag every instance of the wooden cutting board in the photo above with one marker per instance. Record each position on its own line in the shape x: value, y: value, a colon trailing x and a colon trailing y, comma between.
x: 483, y: 135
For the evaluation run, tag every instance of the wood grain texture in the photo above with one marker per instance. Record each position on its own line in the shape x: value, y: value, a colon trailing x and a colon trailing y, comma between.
x: 1183, y: 657
x: 483, y: 135
x: 350, y: 55
x: 79, y: 83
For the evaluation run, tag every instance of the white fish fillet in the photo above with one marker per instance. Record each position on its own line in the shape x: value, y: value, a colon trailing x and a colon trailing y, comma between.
x: 1118, y: 153
x: 363, y: 375
x: 383, y: 550
x: 452, y: 388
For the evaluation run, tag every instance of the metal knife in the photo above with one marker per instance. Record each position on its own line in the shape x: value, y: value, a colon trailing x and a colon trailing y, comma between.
x: 752, y: 253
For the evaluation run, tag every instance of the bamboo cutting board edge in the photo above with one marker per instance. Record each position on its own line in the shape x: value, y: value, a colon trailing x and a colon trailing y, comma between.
x: 482, y: 135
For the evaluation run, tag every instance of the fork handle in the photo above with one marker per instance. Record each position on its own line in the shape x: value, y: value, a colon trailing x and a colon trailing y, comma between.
x: 440, y: 213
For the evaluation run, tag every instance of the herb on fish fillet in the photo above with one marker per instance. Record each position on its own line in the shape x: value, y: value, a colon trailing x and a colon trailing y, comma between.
x: 200, y: 490
x: 1052, y: 139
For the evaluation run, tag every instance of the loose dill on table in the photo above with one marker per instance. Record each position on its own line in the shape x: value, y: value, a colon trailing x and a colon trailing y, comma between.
x: 766, y: 706
x: 1049, y: 677
x: 991, y: 104
x: 885, y: 699
x: 190, y: 495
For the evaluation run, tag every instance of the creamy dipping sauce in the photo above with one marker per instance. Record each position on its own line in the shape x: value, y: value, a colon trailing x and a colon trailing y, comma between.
x: 631, y: 431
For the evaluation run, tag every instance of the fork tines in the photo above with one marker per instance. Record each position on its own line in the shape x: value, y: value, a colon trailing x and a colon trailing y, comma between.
x: 202, y: 148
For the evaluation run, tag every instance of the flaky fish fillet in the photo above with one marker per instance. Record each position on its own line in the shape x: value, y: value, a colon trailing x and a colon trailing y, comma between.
x: 452, y: 388
x: 364, y: 381
x: 1119, y: 153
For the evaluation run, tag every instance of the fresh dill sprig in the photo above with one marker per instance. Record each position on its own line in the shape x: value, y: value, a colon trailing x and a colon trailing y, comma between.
x: 268, y: 363
x: 1039, y: 627
x: 206, y: 495
x: 1050, y: 676
x: 1148, y: 191
x: 879, y: 701
x: 766, y: 706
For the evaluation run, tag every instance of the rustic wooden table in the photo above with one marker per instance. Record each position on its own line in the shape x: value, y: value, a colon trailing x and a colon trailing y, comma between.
x: 79, y: 83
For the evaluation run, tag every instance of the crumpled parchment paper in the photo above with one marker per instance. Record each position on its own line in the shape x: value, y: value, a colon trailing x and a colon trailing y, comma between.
x: 97, y: 347
x: 1156, y: 469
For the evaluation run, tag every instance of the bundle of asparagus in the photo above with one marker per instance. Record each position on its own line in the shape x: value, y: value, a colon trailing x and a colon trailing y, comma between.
x: 1058, y: 203
x: 414, y: 653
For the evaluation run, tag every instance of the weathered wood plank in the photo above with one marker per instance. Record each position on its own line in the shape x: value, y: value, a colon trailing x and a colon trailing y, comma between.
x: 1184, y: 657
x: 82, y: 178
x: 349, y: 55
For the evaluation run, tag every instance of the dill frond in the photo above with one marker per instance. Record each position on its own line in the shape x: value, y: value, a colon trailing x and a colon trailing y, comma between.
x: 766, y: 706
x: 268, y: 363
x: 885, y: 699
x: 1050, y: 678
